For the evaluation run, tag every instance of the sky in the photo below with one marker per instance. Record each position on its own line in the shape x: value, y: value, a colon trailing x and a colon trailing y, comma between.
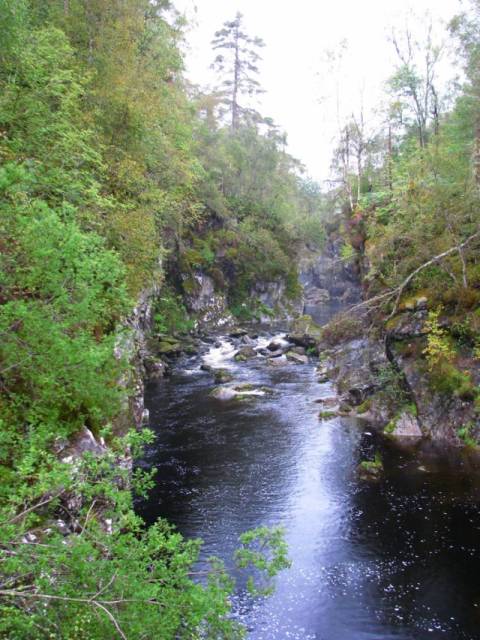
x: 322, y: 59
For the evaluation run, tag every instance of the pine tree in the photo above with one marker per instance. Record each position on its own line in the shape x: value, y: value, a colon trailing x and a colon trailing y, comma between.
x: 237, y: 63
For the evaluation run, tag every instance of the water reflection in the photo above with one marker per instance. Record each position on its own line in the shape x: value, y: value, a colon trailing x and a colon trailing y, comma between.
x: 398, y: 558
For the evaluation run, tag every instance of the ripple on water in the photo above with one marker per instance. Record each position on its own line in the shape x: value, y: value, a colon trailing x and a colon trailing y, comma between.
x: 395, y: 559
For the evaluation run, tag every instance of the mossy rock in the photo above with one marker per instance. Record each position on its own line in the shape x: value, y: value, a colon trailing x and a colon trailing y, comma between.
x: 370, y: 469
x: 364, y: 407
x: 222, y: 376
x: 163, y: 337
x: 327, y: 415
x: 390, y: 428
x: 168, y: 348
x: 245, y: 386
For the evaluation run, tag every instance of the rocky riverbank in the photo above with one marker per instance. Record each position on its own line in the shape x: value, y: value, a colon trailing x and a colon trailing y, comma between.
x: 385, y: 378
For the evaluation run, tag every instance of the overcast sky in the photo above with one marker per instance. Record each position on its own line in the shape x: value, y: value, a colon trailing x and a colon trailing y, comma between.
x: 301, y: 85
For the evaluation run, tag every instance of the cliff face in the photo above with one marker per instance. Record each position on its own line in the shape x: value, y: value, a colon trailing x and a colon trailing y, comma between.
x: 387, y: 380
x: 208, y: 305
x: 132, y: 345
x: 330, y: 283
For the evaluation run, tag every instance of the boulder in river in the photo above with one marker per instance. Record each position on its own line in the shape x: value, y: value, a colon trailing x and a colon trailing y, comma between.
x: 222, y: 376
x: 275, y: 354
x: 331, y: 401
x: 169, y: 348
x: 155, y: 368
x: 224, y: 393
x: 371, y: 469
x: 404, y: 425
x: 305, y: 333
x: 295, y: 357
x: 275, y: 346
x: 243, y: 391
x: 278, y: 362
x: 237, y: 332
x: 245, y: 353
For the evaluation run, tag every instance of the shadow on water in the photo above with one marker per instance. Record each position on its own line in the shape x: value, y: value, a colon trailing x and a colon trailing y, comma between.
x: 397, y: 558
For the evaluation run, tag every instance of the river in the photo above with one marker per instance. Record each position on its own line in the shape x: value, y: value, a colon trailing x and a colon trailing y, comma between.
x: 395, y: 558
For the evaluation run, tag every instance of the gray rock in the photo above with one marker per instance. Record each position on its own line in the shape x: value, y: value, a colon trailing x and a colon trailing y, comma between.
x: 406, y: 426
x: 278, y: 362
x: 155, y: 368
x: 407, y: 325
x: 245, y: 353
x: 300, y: 350
x: 83, y: 442
x: 275, y: 354
x: 295, y: 357
x: 331, y: 401
x: 222, y: 376
x: 209, y: 306
x: 223, y: 393
x: 356, y: 365
x: 238, y: 332
x: 275, y: 346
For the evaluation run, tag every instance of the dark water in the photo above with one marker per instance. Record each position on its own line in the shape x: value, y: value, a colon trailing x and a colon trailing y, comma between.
x: 399, y: 558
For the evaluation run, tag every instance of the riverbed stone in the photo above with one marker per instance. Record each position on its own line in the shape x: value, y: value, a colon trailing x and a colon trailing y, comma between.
x: 295, y: 357
x: 223, y: 393
x: 275, y: 354
x: 331, y: 401
x: 168, y: 348
x: 275, y: 346
x: 222, y: 376
x: 406, y: 426
x: 238, y: 332
x: 245, y: 353
x: 155, y: 368
x: 278, y: 362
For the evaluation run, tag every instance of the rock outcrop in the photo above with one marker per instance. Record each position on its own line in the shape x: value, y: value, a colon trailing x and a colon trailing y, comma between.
x: 329, y: 282
x: 207, y: 305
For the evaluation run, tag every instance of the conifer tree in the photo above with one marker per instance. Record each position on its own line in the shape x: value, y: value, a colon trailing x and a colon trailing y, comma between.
x: 237, y: 64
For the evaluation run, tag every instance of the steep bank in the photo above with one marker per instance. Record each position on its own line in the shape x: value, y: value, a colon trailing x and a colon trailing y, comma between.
x: 242, y: 443
x: 386, y: 377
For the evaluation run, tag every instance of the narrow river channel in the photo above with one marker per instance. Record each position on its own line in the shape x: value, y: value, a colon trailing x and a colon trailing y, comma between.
x: 396, y: 558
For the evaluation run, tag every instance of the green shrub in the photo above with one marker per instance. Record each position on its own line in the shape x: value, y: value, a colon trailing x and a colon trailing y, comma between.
x: 171, y: 315
x: 465, y: 434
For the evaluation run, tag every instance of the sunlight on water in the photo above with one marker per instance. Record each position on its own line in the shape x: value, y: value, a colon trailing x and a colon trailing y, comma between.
x: 395, y: 559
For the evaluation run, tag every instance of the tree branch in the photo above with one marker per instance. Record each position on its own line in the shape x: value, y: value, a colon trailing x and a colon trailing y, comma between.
x: 397, y: 292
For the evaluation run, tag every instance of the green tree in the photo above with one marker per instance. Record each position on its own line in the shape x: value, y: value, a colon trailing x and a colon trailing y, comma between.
x: 238, y: 64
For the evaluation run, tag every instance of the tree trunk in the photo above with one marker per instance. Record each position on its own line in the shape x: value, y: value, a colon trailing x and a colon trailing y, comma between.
x: 476, y: 153
x: 236, y: 79
x: 390, y: 159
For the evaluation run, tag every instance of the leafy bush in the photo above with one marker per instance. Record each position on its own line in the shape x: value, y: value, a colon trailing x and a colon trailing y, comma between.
x: 170, y: 314
x: 439, y: 350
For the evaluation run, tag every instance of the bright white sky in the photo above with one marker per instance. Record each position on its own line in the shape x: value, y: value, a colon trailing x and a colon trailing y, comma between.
x: 301, y: 86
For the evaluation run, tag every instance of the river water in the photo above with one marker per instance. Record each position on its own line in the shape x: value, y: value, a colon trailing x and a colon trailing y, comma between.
x: 396, y: 558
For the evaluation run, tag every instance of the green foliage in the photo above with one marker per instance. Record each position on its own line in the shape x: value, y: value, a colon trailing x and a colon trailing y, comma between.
x: 347, y: 253
x: 392, y: 384
x: 326, y: 415
x: 439, y: 350
x: 465, y: 434
x: 170, y: 314
x: 372, y: 466
x: 113, y: 571
x: 105, y: 169
x: 265, y: 550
